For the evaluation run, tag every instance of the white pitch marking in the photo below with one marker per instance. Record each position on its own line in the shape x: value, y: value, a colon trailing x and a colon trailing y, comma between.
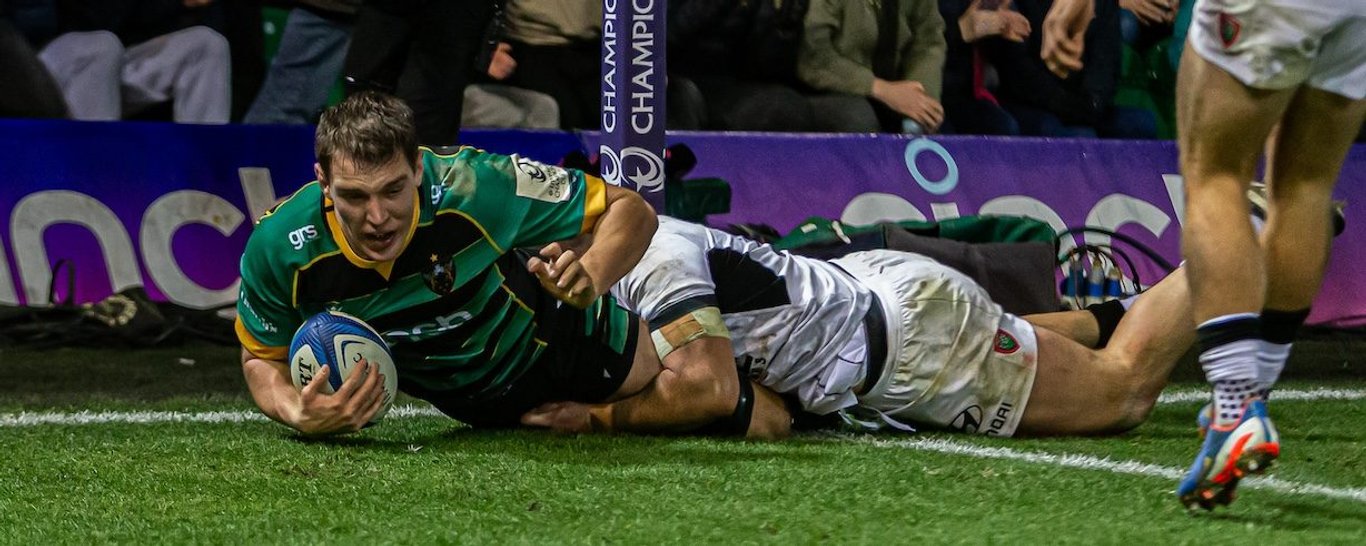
x: 26, y: 419
x: 1087, y: 462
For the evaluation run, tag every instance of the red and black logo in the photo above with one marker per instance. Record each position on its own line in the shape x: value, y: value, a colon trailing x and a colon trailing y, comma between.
x: 1005, y: 343
x: 1229, y: 29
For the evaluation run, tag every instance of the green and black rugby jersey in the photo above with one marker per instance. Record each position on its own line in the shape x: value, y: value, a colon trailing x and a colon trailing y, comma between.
x: 457, y: 306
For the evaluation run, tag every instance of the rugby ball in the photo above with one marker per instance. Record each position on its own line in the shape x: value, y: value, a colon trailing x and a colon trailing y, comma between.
x: 340, y: 341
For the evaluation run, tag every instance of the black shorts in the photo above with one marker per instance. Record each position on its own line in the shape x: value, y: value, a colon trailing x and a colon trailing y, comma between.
x: 574, y: 367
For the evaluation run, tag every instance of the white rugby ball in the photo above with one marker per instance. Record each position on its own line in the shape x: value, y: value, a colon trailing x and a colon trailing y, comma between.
x: 340, y: 341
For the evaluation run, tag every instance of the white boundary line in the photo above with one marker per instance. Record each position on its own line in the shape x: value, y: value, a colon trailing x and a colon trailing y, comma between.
x: 1087, y: 462
x: 27, y: 419
x: 952, y: 447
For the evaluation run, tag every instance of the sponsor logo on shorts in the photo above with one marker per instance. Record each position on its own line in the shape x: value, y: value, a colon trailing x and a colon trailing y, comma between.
x: 440, y: 275
x: 968, y: 420
x: 1005, y: 343
x: 999, y: 420
x: 1229, y: 29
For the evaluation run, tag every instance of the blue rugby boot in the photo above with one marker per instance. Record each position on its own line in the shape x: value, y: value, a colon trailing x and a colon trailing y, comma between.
x: 1249, y: 447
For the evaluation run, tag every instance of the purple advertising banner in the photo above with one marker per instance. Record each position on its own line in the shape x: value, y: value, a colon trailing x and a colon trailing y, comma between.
x: 169, y: 207
x: 633, y: 68
x: 1131, y: 187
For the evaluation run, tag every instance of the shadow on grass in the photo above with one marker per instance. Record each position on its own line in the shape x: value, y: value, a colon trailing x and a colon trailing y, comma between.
x: 1293, y: 515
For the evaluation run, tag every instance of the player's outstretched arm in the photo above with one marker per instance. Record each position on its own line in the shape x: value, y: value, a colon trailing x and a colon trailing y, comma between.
x: 311, y: 411
x: 620, y: 237
x: 698, y: 390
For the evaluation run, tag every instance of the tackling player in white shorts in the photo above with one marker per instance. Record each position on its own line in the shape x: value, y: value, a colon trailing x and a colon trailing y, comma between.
x: 886, y: 337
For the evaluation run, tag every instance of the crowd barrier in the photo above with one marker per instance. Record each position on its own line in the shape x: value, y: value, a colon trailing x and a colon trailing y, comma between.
x: 169, y: 207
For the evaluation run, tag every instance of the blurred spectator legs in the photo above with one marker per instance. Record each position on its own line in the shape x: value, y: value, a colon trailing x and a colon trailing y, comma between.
x: 843, y: 114
x: 735, y: 105
x: 421, y: 50
x: 191, y: 68
x: 493, y: 105
x: 1119, y: 122
x: 977, y: 117
x: 29, y: 90
x: 87, y: 67
x: 567, y: 73
x: 102, y: 80
x: 312, y: 50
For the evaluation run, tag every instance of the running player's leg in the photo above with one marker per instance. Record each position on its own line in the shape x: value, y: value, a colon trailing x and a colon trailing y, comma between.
x: 1307, y: 154
x: 1079, y: 390
x: 1244, y: 68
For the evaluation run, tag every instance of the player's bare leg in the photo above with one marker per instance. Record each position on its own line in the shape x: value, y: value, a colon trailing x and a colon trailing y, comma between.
x: 644, y: 367
x: 1305, y: 157
x: 1079, y: 390
x: 1222, y: 127
x: 1078, y: 326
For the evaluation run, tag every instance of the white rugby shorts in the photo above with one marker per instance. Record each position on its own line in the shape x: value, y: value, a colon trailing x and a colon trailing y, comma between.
x: 1279, y: 44
x: 956, y: 360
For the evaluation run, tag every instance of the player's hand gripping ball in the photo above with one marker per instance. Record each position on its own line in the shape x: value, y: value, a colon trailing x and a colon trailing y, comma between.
x: 340, y: 341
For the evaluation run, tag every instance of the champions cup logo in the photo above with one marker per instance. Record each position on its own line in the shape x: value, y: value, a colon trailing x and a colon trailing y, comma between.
x: 648, y: 173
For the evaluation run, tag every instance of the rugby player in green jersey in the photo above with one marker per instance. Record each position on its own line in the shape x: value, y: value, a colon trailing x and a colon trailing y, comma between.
x: 428, y: 248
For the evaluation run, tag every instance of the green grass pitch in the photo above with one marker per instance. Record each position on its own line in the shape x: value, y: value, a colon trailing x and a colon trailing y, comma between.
x: 233, y: 478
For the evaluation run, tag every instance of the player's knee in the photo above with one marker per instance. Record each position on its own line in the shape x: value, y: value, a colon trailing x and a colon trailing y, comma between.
x: 1133, y: 413
x: 1130, y: 407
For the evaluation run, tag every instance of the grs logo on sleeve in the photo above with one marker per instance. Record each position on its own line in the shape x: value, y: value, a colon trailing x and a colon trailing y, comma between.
x: 298, y: 237
x: 540, y: 181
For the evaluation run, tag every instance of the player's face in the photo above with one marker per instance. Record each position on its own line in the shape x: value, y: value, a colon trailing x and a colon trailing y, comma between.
x: 374, y: 205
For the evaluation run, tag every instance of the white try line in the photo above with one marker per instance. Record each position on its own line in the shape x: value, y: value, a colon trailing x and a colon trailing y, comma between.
x: 1087, y: 462
x: 28, y: 419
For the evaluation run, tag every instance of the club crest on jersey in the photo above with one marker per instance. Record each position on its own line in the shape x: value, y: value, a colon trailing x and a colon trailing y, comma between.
x: 440, y: 275
x: 1005, y: 343
x: 1229, y: 29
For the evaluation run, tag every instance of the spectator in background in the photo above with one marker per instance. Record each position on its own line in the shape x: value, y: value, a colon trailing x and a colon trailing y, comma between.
x: 1143, y: 22
x: 29, y: 91
x: 555, y: 48
x: 491, y: 104
x: 1064, y: 33
x: 742, y: 58
x: 1079, y: 105
x: 114, y: 58
x: 312, y: 48
x: 424, y: 52
x: 877, y: 64
x: 970, y: 108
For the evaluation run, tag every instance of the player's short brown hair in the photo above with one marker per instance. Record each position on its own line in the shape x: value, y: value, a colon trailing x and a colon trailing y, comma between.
x: 369, y: 129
